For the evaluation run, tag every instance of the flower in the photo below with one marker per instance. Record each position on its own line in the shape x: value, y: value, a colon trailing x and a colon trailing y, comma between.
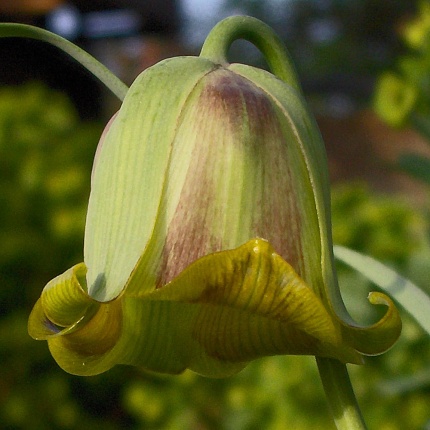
x: 207, y: 239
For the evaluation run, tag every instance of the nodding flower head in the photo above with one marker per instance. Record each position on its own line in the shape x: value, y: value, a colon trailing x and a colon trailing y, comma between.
x: 208, y: 238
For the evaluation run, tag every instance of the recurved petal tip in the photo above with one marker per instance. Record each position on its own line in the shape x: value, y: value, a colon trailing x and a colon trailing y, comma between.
x: 379, y: 337
x: 78, y: 328
x: 63, y: 305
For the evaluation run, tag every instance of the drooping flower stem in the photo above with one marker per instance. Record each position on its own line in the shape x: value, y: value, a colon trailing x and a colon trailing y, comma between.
x: 261, y: 35
x: 340, y: 395
x: 101, y: 72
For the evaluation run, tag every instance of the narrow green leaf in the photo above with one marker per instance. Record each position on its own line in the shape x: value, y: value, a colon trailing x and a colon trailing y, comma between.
x: 89, y: 62
x: 415, y: 301
x: 406, y: 384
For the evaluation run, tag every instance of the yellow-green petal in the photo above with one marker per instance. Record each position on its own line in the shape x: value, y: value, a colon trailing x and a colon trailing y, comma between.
x: 252, y: 304
x: 64, y: 304
x: 379, y: 337
x: 222, y: 311
x: 78, y: 328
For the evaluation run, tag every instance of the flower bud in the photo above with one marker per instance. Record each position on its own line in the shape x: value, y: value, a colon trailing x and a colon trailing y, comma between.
x: 207, y: 240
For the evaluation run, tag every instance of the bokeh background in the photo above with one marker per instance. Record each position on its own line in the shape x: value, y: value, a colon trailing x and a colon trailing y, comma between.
x: 51, y: 116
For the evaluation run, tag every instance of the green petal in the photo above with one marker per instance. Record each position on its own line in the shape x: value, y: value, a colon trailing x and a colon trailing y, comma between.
x: 129, y: 175
x: 379, y: 337
x: 252, y: 303
x: 78, y: 329
x: 219, y: 191
x: 63, y: 305
x: 221, y: 312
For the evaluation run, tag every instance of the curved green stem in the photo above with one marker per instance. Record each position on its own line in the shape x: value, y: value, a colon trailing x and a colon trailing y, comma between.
x: 340, y: 395
x: 112, y: 82
x: 261, y: 35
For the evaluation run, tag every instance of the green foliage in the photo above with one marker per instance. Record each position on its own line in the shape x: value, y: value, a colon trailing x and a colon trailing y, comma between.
x: 402, y: 94
x: 45, y: 155
x: 386, y: 228
x: 416, y: 166
x: 45, y: 163
x: 394, y: 99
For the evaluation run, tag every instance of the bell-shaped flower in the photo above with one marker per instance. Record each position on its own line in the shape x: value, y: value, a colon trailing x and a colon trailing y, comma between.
x: 208, y: 238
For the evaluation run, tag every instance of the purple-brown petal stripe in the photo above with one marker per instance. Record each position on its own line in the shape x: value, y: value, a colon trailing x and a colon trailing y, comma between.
x: 231, y: 110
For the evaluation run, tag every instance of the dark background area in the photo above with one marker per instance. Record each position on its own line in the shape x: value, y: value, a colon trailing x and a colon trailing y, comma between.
x: 339, y: 46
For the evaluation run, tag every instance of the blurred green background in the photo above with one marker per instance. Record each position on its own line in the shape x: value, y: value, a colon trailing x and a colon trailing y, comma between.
x: 46, y: 152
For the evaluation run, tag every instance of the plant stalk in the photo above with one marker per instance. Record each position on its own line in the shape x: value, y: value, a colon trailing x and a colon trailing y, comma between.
x: 221, y: 37
x: 340, y: 395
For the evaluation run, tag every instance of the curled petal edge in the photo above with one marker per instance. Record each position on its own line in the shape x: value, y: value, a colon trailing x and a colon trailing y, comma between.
x: 66, y: 311
x: 379, y: 337
x: 228, y: 307
x: 254, y: 288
